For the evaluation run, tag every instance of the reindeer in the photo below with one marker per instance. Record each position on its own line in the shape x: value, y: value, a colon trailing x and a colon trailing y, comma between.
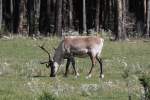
x: 76, y: 46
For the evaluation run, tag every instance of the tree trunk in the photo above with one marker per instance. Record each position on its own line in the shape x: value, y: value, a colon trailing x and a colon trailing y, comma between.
x: 48, y: 15
x: 145, y: 16
x: 65, y: 15
x: 43, y: 17
x: 22, y: 14
x: 106, y: 14
x: 1, y: 14
x: 70, y: 15
x: 119, y: 19
x: 101, y: 14
x: 97, y: 15
x: 37, y: 15
x: 145, y: 7
x: 31, y: 17
x: 12, y: 17
x: 124, y: 15
x: 139, y: 16
x: 58, y: 18
x: 119, y: 9
x: 84, y: 17
x: 52, y: 26
x: 148, y: 19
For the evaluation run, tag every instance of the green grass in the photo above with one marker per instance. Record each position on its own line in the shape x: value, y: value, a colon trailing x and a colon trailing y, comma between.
x: 23, y: 78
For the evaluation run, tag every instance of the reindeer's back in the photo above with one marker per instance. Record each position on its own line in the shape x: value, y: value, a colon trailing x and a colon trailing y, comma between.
x: 82, y: 41
x: 82, y: 44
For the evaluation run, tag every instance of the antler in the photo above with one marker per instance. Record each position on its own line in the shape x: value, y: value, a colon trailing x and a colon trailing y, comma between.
x: 44, y: 62
x: 49, y: 55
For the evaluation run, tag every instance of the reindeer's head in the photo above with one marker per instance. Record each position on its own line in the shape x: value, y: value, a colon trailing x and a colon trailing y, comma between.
x: 50, y: 63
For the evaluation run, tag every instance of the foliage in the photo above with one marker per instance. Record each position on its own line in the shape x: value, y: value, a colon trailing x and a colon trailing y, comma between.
x: 145, y: 81
x: 46, y: 96
x: 26, y: 19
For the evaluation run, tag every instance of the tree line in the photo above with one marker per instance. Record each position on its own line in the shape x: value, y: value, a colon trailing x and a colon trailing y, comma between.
x: 123, y: 18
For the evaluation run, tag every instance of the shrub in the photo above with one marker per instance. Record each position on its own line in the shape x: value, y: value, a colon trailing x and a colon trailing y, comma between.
x: 46, y: 96
x: 145, y: 81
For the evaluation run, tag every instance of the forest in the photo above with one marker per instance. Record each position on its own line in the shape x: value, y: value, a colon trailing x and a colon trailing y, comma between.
x: 26, y: 25
x: 121, y: 18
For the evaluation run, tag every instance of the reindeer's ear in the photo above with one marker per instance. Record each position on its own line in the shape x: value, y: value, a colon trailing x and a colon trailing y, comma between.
x: 45, y: 62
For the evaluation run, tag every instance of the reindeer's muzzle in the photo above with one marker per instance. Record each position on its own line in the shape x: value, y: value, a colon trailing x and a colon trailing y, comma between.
x: 52, y: 75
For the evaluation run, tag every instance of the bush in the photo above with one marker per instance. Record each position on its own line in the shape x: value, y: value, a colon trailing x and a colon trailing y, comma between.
x: 145, y: 81
x: 46, y: 96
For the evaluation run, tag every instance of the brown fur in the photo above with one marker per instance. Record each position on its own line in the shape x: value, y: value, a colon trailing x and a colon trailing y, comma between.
x: 82, y: 41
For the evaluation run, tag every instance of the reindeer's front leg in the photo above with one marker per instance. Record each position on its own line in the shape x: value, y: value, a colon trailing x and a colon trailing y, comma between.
x: 67, y: 66
x: 101, y: 66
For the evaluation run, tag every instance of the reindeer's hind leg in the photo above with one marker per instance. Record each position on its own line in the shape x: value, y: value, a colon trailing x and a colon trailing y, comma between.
x: 93, y: 60
x: 67, y: 66
x: 101, y: 66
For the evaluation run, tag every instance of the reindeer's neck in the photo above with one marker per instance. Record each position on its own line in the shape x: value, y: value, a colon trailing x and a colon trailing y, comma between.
x: 58, y: 56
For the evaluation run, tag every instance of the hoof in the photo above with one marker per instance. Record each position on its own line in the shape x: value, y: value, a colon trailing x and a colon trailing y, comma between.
x: 89, y: 76
x: 77, y: 75
x: 65, y: 75
x: 102, y: 76
x: 52, y: 75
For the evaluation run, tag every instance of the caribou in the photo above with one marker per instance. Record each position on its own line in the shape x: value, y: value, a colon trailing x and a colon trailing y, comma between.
x: 76, y: 46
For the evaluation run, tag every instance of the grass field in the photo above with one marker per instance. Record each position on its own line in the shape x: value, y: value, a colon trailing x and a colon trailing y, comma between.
x: 23, y: 78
